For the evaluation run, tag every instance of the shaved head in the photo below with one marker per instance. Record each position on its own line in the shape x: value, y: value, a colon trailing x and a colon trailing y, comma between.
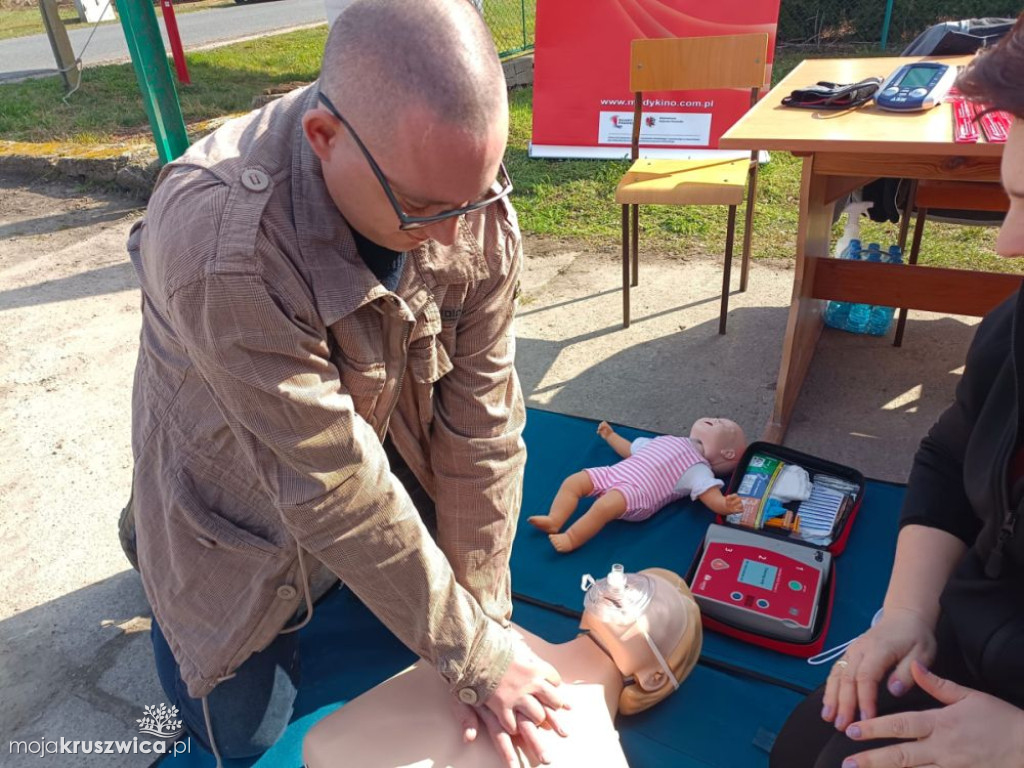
x: 419, y: 83
x: 384, y: 56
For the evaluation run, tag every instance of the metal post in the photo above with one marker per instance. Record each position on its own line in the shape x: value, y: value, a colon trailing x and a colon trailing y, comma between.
x: 60, y: 43
x: 522, y: 5
x: 886, y: 23
x: 149, y: 58
x: 171, y: 25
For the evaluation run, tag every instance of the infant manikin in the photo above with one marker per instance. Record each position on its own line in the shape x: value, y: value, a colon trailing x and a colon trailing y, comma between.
x: 641, y: 628
x: 654, y: 472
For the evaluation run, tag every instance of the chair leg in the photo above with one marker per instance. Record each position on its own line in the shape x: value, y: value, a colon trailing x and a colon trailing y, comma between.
x: 908, y: 211
x: 625, y: 266
x: 915, y: 248
x: 730, y: 236
x: 748, y: 228
x: 636, y: 245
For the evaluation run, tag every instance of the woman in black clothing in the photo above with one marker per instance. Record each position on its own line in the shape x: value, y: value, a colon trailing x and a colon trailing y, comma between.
x: 955, y: 603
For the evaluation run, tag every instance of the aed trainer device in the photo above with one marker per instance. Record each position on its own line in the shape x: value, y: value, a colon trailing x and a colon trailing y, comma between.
x: 917, y: 86
x: 760, y: 584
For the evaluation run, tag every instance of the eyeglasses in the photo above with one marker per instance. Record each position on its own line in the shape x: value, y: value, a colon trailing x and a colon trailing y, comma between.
x: 407, y: 222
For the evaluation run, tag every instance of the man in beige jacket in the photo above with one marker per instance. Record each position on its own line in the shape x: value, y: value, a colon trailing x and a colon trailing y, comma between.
x: 328, y: 287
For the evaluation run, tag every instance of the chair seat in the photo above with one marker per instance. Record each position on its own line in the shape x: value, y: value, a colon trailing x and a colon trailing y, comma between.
x: 684, y: 182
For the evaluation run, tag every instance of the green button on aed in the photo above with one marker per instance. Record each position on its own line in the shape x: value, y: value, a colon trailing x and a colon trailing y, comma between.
x: 796, y: 586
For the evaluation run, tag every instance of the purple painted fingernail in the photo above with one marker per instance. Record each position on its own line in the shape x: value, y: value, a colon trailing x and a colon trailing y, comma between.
x: 841, y: 723
x: 862, y: 715
x: 849, y: 763
x: 827, y: 711
x: 896, y: 687
x: 853, y: 731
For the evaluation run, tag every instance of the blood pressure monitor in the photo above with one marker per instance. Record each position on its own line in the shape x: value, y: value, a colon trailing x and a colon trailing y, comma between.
x: 761, y: 584
x: 917, y: 86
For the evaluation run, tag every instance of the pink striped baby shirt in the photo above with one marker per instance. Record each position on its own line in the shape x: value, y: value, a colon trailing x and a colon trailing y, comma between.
x: 649, y: 478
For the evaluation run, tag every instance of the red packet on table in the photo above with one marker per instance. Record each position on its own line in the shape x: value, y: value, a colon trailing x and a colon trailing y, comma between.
x: 965, y: 129
x: 996, y: 126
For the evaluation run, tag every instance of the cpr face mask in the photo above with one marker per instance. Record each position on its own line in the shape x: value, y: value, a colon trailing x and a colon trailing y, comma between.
x: 649, y: 624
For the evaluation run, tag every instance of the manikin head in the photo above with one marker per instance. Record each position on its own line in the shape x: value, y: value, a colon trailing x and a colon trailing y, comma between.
x: 649, y: 624
x: 434, y: 125
x: 722, y: 442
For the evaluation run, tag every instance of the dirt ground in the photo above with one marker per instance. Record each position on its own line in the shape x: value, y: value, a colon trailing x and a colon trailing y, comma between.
x: 75, y: 657
x: 72, y: 646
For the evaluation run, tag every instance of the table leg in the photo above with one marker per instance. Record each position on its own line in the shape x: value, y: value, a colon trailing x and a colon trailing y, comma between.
x: 805, y: 313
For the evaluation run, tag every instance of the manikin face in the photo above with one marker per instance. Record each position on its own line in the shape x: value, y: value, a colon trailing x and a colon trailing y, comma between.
x: 430, y: 165
x: 1010, y: 242
x: 664, y: 622
x: 722, y: 441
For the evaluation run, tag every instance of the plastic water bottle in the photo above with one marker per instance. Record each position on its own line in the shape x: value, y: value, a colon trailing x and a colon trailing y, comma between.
x: 880, y: 320
x: 881, y: 317
x: 860, y: 314
x: 837, y: 313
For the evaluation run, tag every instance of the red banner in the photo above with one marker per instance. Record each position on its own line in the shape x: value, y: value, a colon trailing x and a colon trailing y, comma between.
x: 582, y: 105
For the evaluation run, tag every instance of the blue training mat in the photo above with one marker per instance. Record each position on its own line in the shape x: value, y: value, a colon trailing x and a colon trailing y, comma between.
x: 561, y: 445
x: 717, y: 718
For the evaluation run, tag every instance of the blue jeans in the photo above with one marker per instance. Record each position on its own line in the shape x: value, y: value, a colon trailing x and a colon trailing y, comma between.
x: 248, y: 712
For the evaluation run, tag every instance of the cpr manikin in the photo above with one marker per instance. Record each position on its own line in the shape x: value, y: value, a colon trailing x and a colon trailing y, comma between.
x: 640, y: 637
x: 654, y: 472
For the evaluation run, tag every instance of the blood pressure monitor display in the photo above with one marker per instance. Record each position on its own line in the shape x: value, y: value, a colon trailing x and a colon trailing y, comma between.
x: 917, y: 86
x: 916, y: 78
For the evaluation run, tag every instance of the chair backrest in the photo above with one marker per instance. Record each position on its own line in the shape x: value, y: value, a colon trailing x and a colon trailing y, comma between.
x: 698, y: 63
x: 695, y: 63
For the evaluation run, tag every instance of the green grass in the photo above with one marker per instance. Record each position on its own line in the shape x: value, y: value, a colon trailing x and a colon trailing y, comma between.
x: 29, y: 21
x: 575, y: 199
x: 108, y: 107
x: 572, y: 199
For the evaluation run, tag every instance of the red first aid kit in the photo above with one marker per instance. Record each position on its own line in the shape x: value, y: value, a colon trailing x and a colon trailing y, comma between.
x: 766, y: 574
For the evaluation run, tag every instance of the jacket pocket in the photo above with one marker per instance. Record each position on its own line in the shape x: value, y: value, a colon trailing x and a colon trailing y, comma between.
x: 214, y: 529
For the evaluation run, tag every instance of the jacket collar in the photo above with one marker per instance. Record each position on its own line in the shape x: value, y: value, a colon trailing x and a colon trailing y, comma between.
x: 340, y: 280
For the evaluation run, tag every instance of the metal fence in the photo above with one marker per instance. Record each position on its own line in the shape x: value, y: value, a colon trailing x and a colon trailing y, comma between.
x: 512, y: 24
x: 889, y: 24
x: 886, y: 23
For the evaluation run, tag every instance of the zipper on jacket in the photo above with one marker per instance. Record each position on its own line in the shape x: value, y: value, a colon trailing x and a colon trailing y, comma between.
x: 997, y: 557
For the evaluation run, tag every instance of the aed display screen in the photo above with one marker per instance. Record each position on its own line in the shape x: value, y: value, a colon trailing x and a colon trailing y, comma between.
x: 917, y: 77
x: 758, y: 574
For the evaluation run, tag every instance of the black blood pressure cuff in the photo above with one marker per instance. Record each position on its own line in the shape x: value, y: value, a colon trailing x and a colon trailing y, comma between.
x: 824, y: 95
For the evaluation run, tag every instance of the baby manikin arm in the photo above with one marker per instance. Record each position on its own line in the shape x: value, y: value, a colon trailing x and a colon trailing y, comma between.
x: 407, y: 721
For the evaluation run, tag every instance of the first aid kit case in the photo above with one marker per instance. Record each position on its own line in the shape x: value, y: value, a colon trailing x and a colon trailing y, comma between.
x: 766, y: 574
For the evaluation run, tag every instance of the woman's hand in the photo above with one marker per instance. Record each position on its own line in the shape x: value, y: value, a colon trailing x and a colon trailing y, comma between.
x: 973, y: 729
x: 851, y: 691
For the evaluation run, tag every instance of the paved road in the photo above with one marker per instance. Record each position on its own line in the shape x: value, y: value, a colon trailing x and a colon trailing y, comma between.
x: 24, y: 56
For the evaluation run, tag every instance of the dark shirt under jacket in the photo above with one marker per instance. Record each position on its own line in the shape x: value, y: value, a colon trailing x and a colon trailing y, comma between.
x: 960, y: 483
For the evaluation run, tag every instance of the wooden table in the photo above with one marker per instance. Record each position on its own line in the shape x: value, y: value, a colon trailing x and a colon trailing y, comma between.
x: 842, y: 151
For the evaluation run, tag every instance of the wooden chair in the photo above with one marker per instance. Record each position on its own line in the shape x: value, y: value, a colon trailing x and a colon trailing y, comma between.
x: 944, y: 198
x: 695, y: 63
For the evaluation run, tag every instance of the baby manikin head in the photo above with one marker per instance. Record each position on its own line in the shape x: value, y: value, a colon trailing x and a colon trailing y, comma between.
x: 649, y: 624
